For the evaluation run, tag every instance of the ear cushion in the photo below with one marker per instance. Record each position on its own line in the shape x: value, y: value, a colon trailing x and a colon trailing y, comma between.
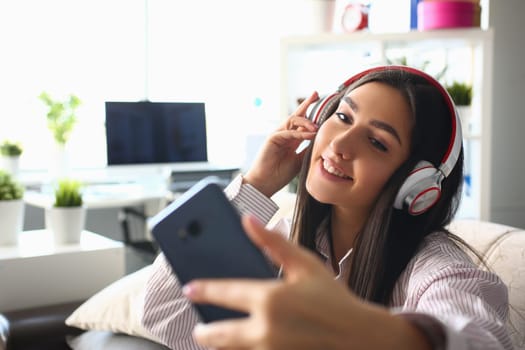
x: 324, y: 108
x: 421, y: 189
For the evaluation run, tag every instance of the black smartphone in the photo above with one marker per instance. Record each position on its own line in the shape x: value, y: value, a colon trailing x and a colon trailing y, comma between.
x: 201, y: 235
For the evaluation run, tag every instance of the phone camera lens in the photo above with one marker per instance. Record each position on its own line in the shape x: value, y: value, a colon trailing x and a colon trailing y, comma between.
x: 194, y: 228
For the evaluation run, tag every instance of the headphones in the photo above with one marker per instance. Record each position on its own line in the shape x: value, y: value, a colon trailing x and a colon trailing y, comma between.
x: 422, y: 187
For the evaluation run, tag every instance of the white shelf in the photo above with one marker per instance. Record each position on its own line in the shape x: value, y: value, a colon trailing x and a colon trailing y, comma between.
x: 451, y: 36
x: 38, y: 272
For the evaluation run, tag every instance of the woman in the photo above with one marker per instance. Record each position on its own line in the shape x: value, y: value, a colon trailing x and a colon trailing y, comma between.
x: 373, y: 265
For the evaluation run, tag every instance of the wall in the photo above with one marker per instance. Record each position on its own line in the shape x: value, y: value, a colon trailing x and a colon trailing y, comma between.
x: 508, y: 119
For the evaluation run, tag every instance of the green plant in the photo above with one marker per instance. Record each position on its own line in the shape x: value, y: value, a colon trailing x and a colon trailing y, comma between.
x: 10, y: 148
x: 461, y: 93
x: 68, y: 193
x: 9, y: 188
x: 61, y: 116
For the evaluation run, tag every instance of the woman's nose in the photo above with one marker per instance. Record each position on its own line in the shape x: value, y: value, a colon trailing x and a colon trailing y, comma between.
x: 345, y: 144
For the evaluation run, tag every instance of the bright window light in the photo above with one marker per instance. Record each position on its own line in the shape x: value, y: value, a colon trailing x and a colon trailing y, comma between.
x: 224, y: 53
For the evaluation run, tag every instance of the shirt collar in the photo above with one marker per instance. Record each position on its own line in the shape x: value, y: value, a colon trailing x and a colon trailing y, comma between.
x: 322, y: 246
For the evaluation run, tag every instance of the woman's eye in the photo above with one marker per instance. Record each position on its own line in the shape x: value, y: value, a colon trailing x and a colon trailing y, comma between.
x: 375, y: 143
x: 378, y: 145
x: 342, y: 117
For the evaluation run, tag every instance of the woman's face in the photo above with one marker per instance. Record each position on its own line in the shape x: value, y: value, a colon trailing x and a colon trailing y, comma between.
x: 358, y: 148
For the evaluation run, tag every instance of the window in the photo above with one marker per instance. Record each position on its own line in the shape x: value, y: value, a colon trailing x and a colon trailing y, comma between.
x: 223, y: 53
x: 67, y: 47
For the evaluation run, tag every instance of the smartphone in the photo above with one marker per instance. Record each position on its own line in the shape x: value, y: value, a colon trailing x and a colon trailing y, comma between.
x: 201, y: 235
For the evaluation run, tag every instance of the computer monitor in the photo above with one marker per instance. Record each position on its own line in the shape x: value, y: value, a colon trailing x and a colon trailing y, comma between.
x: 155, y: 132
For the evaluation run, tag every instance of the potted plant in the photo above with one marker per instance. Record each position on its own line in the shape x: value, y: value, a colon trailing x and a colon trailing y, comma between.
x: 10, y: 152
x: 461, y: 94
x: 61, y: 119
x: 11, y: 208
x: 10, y: 148
x: 67, y: 216
x: 61, y: 116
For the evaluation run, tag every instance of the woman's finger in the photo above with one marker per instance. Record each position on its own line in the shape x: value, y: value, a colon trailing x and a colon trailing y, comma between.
x: 299, y: 120
x: 300, y: 123
x: 303, y: 107
x: 229, y: 334
x: 285, y: 136
x: 235, y: 294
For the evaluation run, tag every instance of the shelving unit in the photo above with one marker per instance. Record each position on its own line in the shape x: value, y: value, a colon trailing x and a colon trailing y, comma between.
x: 322, y: 62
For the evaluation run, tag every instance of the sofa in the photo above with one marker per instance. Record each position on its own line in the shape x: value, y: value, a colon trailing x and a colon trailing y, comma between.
x: 111, y: 318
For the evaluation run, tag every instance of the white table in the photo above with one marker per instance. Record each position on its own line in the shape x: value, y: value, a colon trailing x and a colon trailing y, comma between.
x: 100, y: 196
x: 36, y: 272
x: 146, y: 201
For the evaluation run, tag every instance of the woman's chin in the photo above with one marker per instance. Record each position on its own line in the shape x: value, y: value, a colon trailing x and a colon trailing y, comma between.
x: 318, y: 193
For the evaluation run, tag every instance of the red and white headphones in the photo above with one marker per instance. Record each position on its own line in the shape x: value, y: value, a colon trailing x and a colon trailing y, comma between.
x: 422, y: 187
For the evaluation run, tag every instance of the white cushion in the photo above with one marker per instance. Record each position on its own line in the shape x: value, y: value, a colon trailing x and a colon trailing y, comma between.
x: 504, y: 250
x: 115, y: 308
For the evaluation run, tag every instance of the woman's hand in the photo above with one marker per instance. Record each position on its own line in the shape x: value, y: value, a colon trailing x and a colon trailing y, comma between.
x: 307, y: 309
x: 277, y: 162
x: 297, y: 312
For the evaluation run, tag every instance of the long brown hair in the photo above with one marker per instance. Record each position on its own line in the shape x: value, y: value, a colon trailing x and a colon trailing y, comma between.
x: 390, y: 237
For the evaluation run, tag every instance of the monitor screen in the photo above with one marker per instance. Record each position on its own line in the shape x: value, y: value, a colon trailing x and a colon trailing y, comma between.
x: 155, y: 132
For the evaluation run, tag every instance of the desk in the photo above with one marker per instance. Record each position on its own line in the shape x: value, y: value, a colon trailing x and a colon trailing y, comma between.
x: 37, y: 272
x: 101, y: 196
x: 130, y: 205
x: 127, y: 186
x: 130, y: 193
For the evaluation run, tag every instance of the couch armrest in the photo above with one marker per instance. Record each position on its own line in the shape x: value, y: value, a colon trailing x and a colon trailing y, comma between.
x: 38, y: 328
x: 4, y: 332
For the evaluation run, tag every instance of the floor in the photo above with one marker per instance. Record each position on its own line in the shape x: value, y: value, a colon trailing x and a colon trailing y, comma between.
x: 137, y: 259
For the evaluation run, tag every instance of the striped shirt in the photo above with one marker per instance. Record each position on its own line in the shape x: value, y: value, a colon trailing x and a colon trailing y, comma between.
x: 440, y: 289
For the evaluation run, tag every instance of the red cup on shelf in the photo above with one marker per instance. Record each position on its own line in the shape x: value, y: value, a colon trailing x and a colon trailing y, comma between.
x: 436, y: 14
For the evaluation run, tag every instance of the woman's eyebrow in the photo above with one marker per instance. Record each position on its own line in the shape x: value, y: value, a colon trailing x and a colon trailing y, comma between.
x: 386, y: 127
x: 376, y: 123
x: 351, y: 103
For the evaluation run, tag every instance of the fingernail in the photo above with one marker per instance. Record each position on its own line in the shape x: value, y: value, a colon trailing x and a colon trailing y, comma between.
x: 254, y: 220
x: 199, y: 329
x: 189, y: 290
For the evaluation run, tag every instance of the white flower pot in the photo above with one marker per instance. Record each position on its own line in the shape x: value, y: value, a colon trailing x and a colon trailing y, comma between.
x: 11, y: 165
x: 66, y: 223
x: 59, y: 166
x: 12, y: 221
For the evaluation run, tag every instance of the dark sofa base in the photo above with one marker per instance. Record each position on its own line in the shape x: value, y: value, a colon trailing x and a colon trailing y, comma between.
x: 41, y: 328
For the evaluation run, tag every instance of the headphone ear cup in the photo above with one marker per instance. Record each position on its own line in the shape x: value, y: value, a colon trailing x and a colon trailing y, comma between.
x: 324, y: 108
x: 312, y: 110
x: 421, y: 189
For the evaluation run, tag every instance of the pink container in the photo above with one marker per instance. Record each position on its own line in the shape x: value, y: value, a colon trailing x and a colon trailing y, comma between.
x: 436, y: 14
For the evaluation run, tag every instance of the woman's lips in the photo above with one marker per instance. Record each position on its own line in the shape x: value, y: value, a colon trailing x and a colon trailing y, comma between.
x: 328, y: 167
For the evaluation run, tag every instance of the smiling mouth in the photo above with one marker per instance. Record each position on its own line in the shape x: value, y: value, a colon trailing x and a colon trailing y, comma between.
x: 331, y: 170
